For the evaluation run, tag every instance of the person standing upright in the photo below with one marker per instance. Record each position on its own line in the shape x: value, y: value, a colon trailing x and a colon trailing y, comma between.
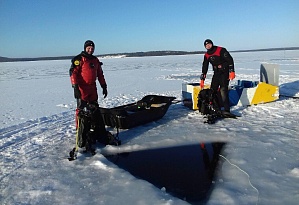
x: 224, y: 71
x: 85, y: 70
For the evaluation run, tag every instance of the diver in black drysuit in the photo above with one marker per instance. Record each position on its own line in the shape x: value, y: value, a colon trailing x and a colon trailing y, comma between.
x: 223, y: 67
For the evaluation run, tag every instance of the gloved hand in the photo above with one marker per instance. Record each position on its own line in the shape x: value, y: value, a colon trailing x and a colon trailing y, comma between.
x: 202, y: 80
x: 77, y: 93
x: 105, y: 92
x: 231, y: 72
x: 232, y: 75
x: 202, y: 84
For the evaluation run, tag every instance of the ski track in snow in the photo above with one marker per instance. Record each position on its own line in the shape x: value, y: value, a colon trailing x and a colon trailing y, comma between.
x: 33, y: 138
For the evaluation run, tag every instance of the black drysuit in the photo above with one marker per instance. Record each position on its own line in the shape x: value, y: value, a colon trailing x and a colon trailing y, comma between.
x: 222, y: 63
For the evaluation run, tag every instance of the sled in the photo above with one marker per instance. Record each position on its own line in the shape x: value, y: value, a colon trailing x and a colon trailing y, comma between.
x: 149, y: 108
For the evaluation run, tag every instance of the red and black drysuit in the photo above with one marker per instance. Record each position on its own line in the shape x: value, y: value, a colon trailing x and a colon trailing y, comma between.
x: 85, y: 70
x: 223, y: 64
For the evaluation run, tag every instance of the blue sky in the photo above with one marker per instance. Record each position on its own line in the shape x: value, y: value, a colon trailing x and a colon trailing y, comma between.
x: 60, y: 27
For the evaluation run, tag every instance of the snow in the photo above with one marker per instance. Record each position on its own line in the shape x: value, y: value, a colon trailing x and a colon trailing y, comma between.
x: 261, y: 160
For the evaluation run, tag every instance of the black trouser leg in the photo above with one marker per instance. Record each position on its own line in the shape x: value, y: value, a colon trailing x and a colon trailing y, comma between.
x: 221, y: 80
x: 225, y: 98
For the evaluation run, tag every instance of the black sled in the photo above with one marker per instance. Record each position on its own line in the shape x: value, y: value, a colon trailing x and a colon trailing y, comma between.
x: 149, y: 108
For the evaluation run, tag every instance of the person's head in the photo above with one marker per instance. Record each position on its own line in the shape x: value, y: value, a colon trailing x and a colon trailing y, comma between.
x: 208, y: 44
x: 89, y: 47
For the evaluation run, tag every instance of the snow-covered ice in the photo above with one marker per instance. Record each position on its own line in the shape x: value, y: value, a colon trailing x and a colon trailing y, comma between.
x: 261, y: 164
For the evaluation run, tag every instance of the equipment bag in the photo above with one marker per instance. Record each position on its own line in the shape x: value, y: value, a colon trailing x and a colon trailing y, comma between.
x: 208, y: 103
x: 92, y: 129
x: 90, y: 126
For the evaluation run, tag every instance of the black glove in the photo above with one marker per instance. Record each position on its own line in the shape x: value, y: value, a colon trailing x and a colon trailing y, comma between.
x: 77, y: 93
x: 105, y: 92
x: 202, y: 76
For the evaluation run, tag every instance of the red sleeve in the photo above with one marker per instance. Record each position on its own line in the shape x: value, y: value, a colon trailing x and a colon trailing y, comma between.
x: 74, y: 78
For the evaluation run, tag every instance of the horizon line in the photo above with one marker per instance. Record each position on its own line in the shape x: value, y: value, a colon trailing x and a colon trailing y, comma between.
x: 134, y: 54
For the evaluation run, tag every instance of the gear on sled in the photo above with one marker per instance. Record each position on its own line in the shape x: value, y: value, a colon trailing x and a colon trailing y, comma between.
x: 91, y: 129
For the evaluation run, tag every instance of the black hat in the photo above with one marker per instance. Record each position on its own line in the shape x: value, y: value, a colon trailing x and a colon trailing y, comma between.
x: 88, y: 43
x: 207, y: 41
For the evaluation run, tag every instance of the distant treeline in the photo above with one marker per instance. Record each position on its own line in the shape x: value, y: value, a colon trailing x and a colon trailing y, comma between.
x: 139, y: 54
